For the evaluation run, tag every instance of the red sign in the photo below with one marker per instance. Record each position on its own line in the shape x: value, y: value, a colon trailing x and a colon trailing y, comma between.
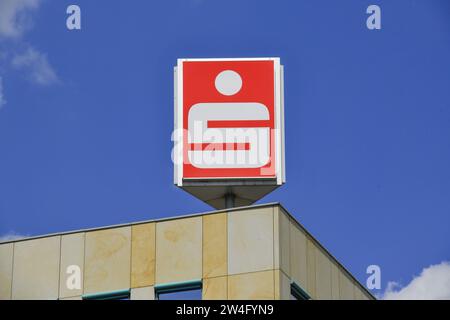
x: 229, y: 113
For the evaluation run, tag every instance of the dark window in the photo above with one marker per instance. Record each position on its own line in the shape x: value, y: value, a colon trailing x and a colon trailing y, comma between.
x: 297, y: 293
x: 113, y: 295
x: 189, y: 290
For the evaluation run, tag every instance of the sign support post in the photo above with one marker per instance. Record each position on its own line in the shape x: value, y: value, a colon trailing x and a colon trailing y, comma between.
x: 229, y: 200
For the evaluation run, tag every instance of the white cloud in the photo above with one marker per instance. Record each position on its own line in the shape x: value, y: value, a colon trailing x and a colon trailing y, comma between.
x: 39, y: 69
x: 432, y: 284
x: 2, y: 97
x: 15, y: 20
x: 10, y: 236
x: 15, y: 16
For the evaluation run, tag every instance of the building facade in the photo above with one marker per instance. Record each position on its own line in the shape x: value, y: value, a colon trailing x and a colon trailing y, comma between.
x: 255, y: 252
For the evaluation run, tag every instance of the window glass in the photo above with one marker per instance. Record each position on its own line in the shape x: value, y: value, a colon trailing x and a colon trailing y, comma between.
x: 195, y: 294
x: 189, y: 290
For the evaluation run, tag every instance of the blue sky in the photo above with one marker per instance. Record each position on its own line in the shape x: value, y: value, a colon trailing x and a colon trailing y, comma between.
x: 86, y: 117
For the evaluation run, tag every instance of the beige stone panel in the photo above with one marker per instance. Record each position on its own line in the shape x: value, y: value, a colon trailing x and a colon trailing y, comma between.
x: 214, y: 245
x: 143, y: 293
x: 276, y: 238
x: 366, y: 295
x: 357, y: 292
x: 250, y: 240
x: 282, y: 286
x: 6, y: 267
x: 346, y: 287
x: 298, y: 255
x: 179, y: 250
x: 277, y: 284
x: 143, y: 248
x: 323, y: 276
x: 72, y: 254
x: 36, y: 269
x: 360, y: 293
x: 215, y: 288
x: 334, y: 281
x: 107, y: 260
x: 252, y: 286
x: 311, y: 268
x: 282, y: 230
x: 72, y: 298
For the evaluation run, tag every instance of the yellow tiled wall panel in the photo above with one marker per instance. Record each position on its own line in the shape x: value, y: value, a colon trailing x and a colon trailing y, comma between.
x: 282, y: 286
x: 214, y: 245
x: 6, y: 267
x: 36, y: 269
x: 252, y: 286
x: 143, y: 246
x: 298, y: 260
x: 215, y: 288
x: 334, y: 281
x: 366, y: 296
x: 346, y: 287
x: 282, y: 228
x: 143, y: 293
x: 72, y: 298
x: 311, y: 268
x: 107, y: 260
x: 250, y: 240
x: 359, y: 293
x: 323, y: 276
x: 179, y: 250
